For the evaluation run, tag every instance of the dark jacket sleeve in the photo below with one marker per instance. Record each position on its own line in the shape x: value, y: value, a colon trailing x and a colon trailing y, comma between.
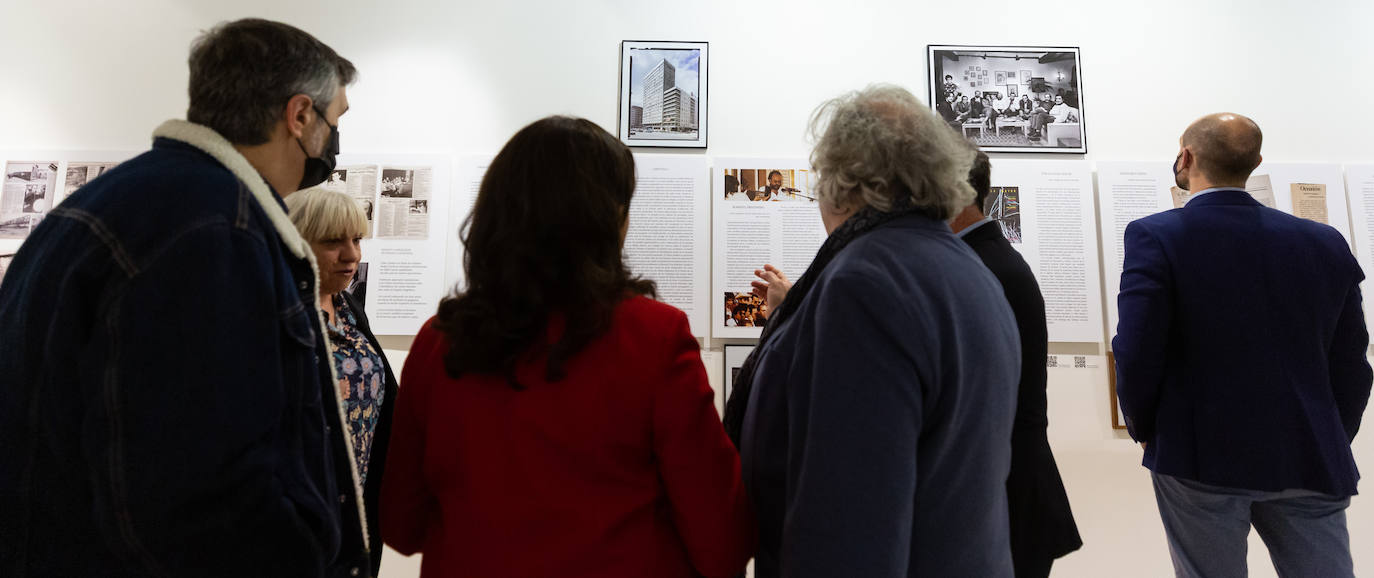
x: 183, y: 430
x: 1350, y: 371
x: 1028, y: 306
x: 381, y: 437
x: 853, y: 505
x: 1032, y: 406
x: 699, y: 466
x: 1145, y: 311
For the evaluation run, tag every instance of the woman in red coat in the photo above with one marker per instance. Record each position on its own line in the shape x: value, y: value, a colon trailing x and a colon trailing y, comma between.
x: 554, y: 420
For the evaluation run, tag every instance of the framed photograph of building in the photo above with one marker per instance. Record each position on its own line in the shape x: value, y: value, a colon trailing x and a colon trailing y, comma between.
x: 663, y: 94
x: 1042, y: 110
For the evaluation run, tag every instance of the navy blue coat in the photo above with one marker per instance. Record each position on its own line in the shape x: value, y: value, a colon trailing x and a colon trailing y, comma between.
x: 1241, y: 344
x: 877, y: 438
x: 166, y: 405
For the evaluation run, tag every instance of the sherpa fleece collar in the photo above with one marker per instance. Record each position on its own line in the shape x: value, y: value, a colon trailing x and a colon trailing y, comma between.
x: 209, y: 141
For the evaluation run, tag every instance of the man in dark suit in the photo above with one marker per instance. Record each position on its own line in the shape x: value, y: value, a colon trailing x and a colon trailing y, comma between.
x: 1042, y: 526
x: 946, y: 109
x: 1241, y: 366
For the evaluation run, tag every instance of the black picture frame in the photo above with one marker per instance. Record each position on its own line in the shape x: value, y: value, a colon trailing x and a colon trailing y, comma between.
x: 671, y: 122
x: 1056, y: 71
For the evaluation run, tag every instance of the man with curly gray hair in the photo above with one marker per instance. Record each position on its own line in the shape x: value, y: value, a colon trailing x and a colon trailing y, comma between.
x: 873, y: 418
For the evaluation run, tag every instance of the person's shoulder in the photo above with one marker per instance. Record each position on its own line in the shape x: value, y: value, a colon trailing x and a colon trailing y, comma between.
x: 171, y: 163
x: 1005, y: 262
x: 172, y: 181
x: 868, y: 268
x: 640, y: 309
x: 1154, y: 222
x: 1321, y: 231
x: 430, y: 341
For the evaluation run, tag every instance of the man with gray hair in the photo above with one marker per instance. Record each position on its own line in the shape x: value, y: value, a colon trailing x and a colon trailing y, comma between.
x: 167, y: 401
x: 874, y: 417
x: 1240, y: 359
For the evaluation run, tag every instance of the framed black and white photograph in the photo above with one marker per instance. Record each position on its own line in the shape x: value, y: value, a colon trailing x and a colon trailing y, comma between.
x: 663, y: 94
x: 1033, y: 102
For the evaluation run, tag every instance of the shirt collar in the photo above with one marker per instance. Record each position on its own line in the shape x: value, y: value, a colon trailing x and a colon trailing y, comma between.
x: 1211, y: 190
x: 970, y: 228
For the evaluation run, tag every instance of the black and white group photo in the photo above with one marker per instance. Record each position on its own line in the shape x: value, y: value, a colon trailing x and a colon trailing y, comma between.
x: 1010, y: 99
x: 398, y: 183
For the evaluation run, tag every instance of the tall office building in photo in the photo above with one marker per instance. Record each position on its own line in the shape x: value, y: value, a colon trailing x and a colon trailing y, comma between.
x: 679, y: 110
x: 671, y: 113
x: 687, y: 111
x: 659, y: 81
x: 636, y: 116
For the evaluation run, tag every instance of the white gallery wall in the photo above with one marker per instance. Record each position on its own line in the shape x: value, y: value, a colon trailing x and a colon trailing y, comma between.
x: 441, y: 77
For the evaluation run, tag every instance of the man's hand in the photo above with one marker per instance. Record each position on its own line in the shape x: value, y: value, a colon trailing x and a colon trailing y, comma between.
x: 772, y: 286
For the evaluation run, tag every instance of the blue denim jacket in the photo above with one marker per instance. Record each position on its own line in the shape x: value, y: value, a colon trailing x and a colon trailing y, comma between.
x: 167, y: 405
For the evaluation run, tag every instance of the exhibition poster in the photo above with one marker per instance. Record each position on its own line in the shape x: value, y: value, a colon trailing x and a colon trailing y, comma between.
x: 1127, y: 191
x: 669, y: 238
x: 764, y: 213
x: 1045, y: 209
x: 1360, y: 180
x: 401, y: 277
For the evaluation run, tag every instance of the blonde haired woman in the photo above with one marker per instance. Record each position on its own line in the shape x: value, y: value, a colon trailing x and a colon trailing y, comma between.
x: 335, y: 226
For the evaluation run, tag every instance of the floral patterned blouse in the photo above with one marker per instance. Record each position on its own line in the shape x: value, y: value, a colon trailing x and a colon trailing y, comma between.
x: 362, y: 380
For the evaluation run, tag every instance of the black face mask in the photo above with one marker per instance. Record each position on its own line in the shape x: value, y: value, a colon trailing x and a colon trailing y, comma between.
x: 1177, y: 180
x: 319, y: 169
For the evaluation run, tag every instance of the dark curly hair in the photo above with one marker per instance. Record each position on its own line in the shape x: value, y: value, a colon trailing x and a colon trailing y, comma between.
x: 543, y: 239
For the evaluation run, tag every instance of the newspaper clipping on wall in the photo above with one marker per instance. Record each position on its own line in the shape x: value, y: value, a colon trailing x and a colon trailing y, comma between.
x: 359, y: 182
x: 27, y: 196
x: 403, y: 210
x: 5, y: 260
x: 79, y: 173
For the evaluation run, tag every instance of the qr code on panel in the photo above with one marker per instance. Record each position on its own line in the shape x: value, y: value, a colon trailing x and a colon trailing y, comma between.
x: 1052, y: 361
x: 1080, y: 361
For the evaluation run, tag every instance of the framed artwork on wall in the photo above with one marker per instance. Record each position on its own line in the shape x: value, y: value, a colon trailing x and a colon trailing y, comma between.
x: 663, y: 94
x: 1050, y: 76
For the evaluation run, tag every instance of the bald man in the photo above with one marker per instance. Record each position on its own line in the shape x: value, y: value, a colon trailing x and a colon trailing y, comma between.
x: 1241, y: 366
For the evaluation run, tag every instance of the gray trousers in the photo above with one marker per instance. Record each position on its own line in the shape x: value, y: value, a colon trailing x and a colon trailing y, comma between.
x: 1208, y: 526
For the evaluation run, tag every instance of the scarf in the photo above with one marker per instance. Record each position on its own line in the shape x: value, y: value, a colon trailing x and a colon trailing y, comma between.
x: 855, y: 226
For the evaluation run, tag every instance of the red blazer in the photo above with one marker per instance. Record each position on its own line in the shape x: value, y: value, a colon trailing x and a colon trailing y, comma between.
x: 620, y: 469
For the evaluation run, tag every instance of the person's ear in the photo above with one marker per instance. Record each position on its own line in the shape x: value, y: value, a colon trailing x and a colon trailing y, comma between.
x: 299, y: 110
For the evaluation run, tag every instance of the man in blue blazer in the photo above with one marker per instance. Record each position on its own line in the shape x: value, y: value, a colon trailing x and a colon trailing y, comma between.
x: 1241, y: 366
